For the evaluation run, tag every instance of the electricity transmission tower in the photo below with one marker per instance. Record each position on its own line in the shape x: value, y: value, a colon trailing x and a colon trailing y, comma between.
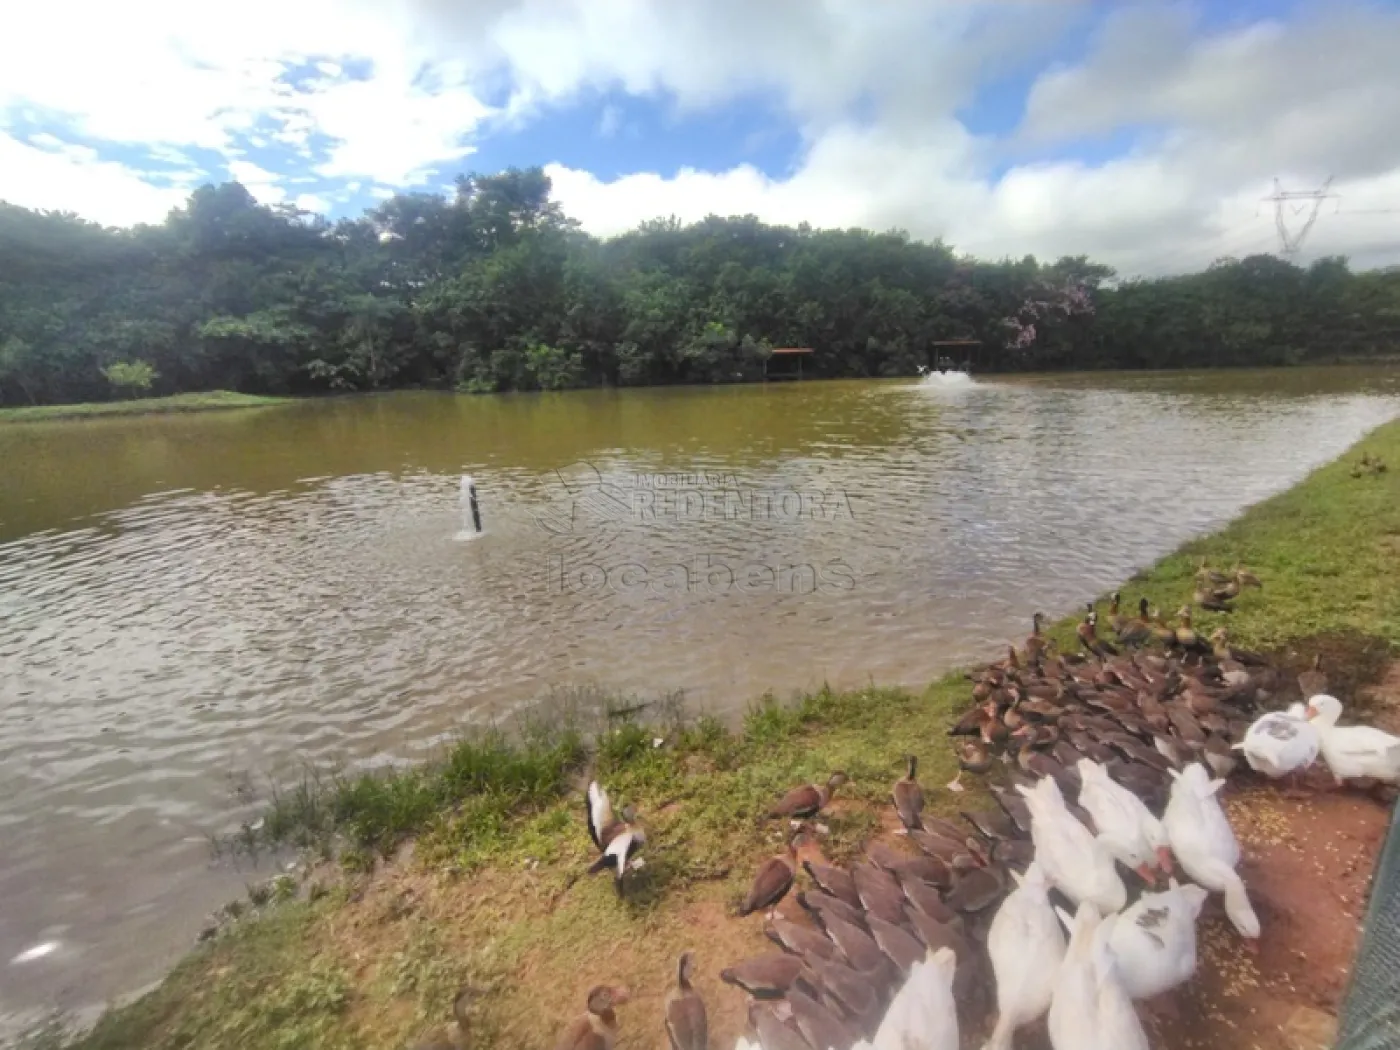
x: 1292, y: 242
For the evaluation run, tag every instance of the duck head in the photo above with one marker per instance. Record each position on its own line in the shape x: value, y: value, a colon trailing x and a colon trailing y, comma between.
x: 1324, y: 710
x: 801, y: 837
x: 685, y: 968
x: 603, y: 998
x: 836, y: 780
x: 461, y: 1006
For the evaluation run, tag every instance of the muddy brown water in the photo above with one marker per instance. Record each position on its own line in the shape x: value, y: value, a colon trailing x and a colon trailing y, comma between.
x: 189, y: 603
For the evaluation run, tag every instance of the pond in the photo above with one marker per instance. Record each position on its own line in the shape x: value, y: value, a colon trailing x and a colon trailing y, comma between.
x: 191, y: 604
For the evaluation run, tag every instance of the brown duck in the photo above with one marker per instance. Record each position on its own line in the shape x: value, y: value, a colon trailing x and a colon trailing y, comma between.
x: 1186, y: 636
x: 772, y: 1033
x: 835, y: 881
x: 857, y: 945
x: 773, y: 878
x: 857, y: 995
x: 1314, y: 680
x: 452, y: 1036
x: 904, y: 865
x: 809, y: 799
x: 764, y: 976
x: 974, y: 756
x: 800, y: 940
x: 1087, y: 632
x: 687, y: 1024
x: 596, y: 1029
x: 880, y: 893
x: 927, y: 900
x: 818, y: 1025
x: 823, y: 906
x: 903, y: 949
x: 909, y: 796
x: 1035, y: 642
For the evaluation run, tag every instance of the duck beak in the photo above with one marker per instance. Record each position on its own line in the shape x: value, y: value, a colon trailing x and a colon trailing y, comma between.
x: 1310, y: 713
x: 1146, y: 874
x: 621, y: 995
x: 1164, y: 860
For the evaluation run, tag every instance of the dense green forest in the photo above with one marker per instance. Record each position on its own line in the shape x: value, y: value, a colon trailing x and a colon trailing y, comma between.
x: 494, y: 288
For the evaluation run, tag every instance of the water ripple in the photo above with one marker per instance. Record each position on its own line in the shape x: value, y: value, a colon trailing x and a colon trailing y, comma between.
x: 299, y: 598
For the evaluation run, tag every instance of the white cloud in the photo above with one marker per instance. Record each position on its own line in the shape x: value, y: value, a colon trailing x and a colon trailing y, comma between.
x: 389, y: 95
x: 311, y: 202
x: 1233, y: 110
x: 72, y: 179
x: 260, y: 182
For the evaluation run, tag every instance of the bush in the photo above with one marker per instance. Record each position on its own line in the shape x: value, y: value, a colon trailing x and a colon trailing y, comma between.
x: 130, y: 377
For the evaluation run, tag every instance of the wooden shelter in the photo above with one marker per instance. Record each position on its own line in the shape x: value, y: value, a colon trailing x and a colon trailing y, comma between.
x: 951, y: 354
x: 789, y: 361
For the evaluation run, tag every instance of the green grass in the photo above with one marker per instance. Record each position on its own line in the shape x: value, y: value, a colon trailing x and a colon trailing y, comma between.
x: 493, y: 890
x: 201, y: 402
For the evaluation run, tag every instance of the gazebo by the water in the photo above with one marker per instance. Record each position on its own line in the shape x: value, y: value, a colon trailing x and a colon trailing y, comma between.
x: 788, y: 360
x: 951, y: 354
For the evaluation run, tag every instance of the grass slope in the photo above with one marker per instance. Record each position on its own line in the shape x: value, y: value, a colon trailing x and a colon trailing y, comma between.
x: 490, y: 892
x: 202, y: 402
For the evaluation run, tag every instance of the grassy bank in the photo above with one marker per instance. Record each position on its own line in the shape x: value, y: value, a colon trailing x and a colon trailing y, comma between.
x: 491, y: 893
x: 202, y: 402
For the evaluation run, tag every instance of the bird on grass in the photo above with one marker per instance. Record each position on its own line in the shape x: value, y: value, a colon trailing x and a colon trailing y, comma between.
x: 687, y: 1025
x: 618, y: 841
x: 452, y: 1036
x: 809, y: 799
x: 1089, y: 638
x: 909, y: 797
x: 774, y: 878
x: 596, y: 1027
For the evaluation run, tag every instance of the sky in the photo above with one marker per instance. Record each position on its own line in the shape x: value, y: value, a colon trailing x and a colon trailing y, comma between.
x: 1146, y: 135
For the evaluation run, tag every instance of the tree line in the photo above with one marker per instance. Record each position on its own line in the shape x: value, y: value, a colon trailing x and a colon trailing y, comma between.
x: 492, y: 287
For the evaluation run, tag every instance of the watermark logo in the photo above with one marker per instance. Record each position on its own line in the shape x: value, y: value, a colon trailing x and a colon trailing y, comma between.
x: 666, y: 499
x: 701, y: 574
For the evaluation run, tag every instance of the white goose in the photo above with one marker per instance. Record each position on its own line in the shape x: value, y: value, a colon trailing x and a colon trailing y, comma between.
x: 1281, y: 743
x: 1126, y: 826
x: 1091, y: 1009
x: 1026, y: 946
x: 1353, y: 752
x: 1205, y: 845
x: 922, y: 1015
x: 1076, y: 863
x: 1154, y: 941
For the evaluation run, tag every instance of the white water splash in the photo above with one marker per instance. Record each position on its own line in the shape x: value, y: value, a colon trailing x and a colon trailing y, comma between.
x: 38, y: 951
x: 948, y: 380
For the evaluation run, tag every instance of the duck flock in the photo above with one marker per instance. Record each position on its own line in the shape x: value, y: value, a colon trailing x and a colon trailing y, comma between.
x: 1074, y: 899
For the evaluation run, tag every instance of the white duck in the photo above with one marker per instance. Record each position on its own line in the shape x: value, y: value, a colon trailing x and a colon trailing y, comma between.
x: 1076, y: 863
x: 1353, y: 752
x: 1026, y: 946
x: 1091, y: 1009
x: 1127, y: 828
x: 1205, y: 845
x: 1281, y: 743
x: 922, y: 1015
x: 1154, y: 941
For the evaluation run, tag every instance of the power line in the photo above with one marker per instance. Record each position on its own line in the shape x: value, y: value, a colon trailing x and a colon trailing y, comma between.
x: 1292, y: 242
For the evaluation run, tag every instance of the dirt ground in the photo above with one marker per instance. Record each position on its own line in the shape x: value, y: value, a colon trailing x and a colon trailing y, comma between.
x: 1307, y: 863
